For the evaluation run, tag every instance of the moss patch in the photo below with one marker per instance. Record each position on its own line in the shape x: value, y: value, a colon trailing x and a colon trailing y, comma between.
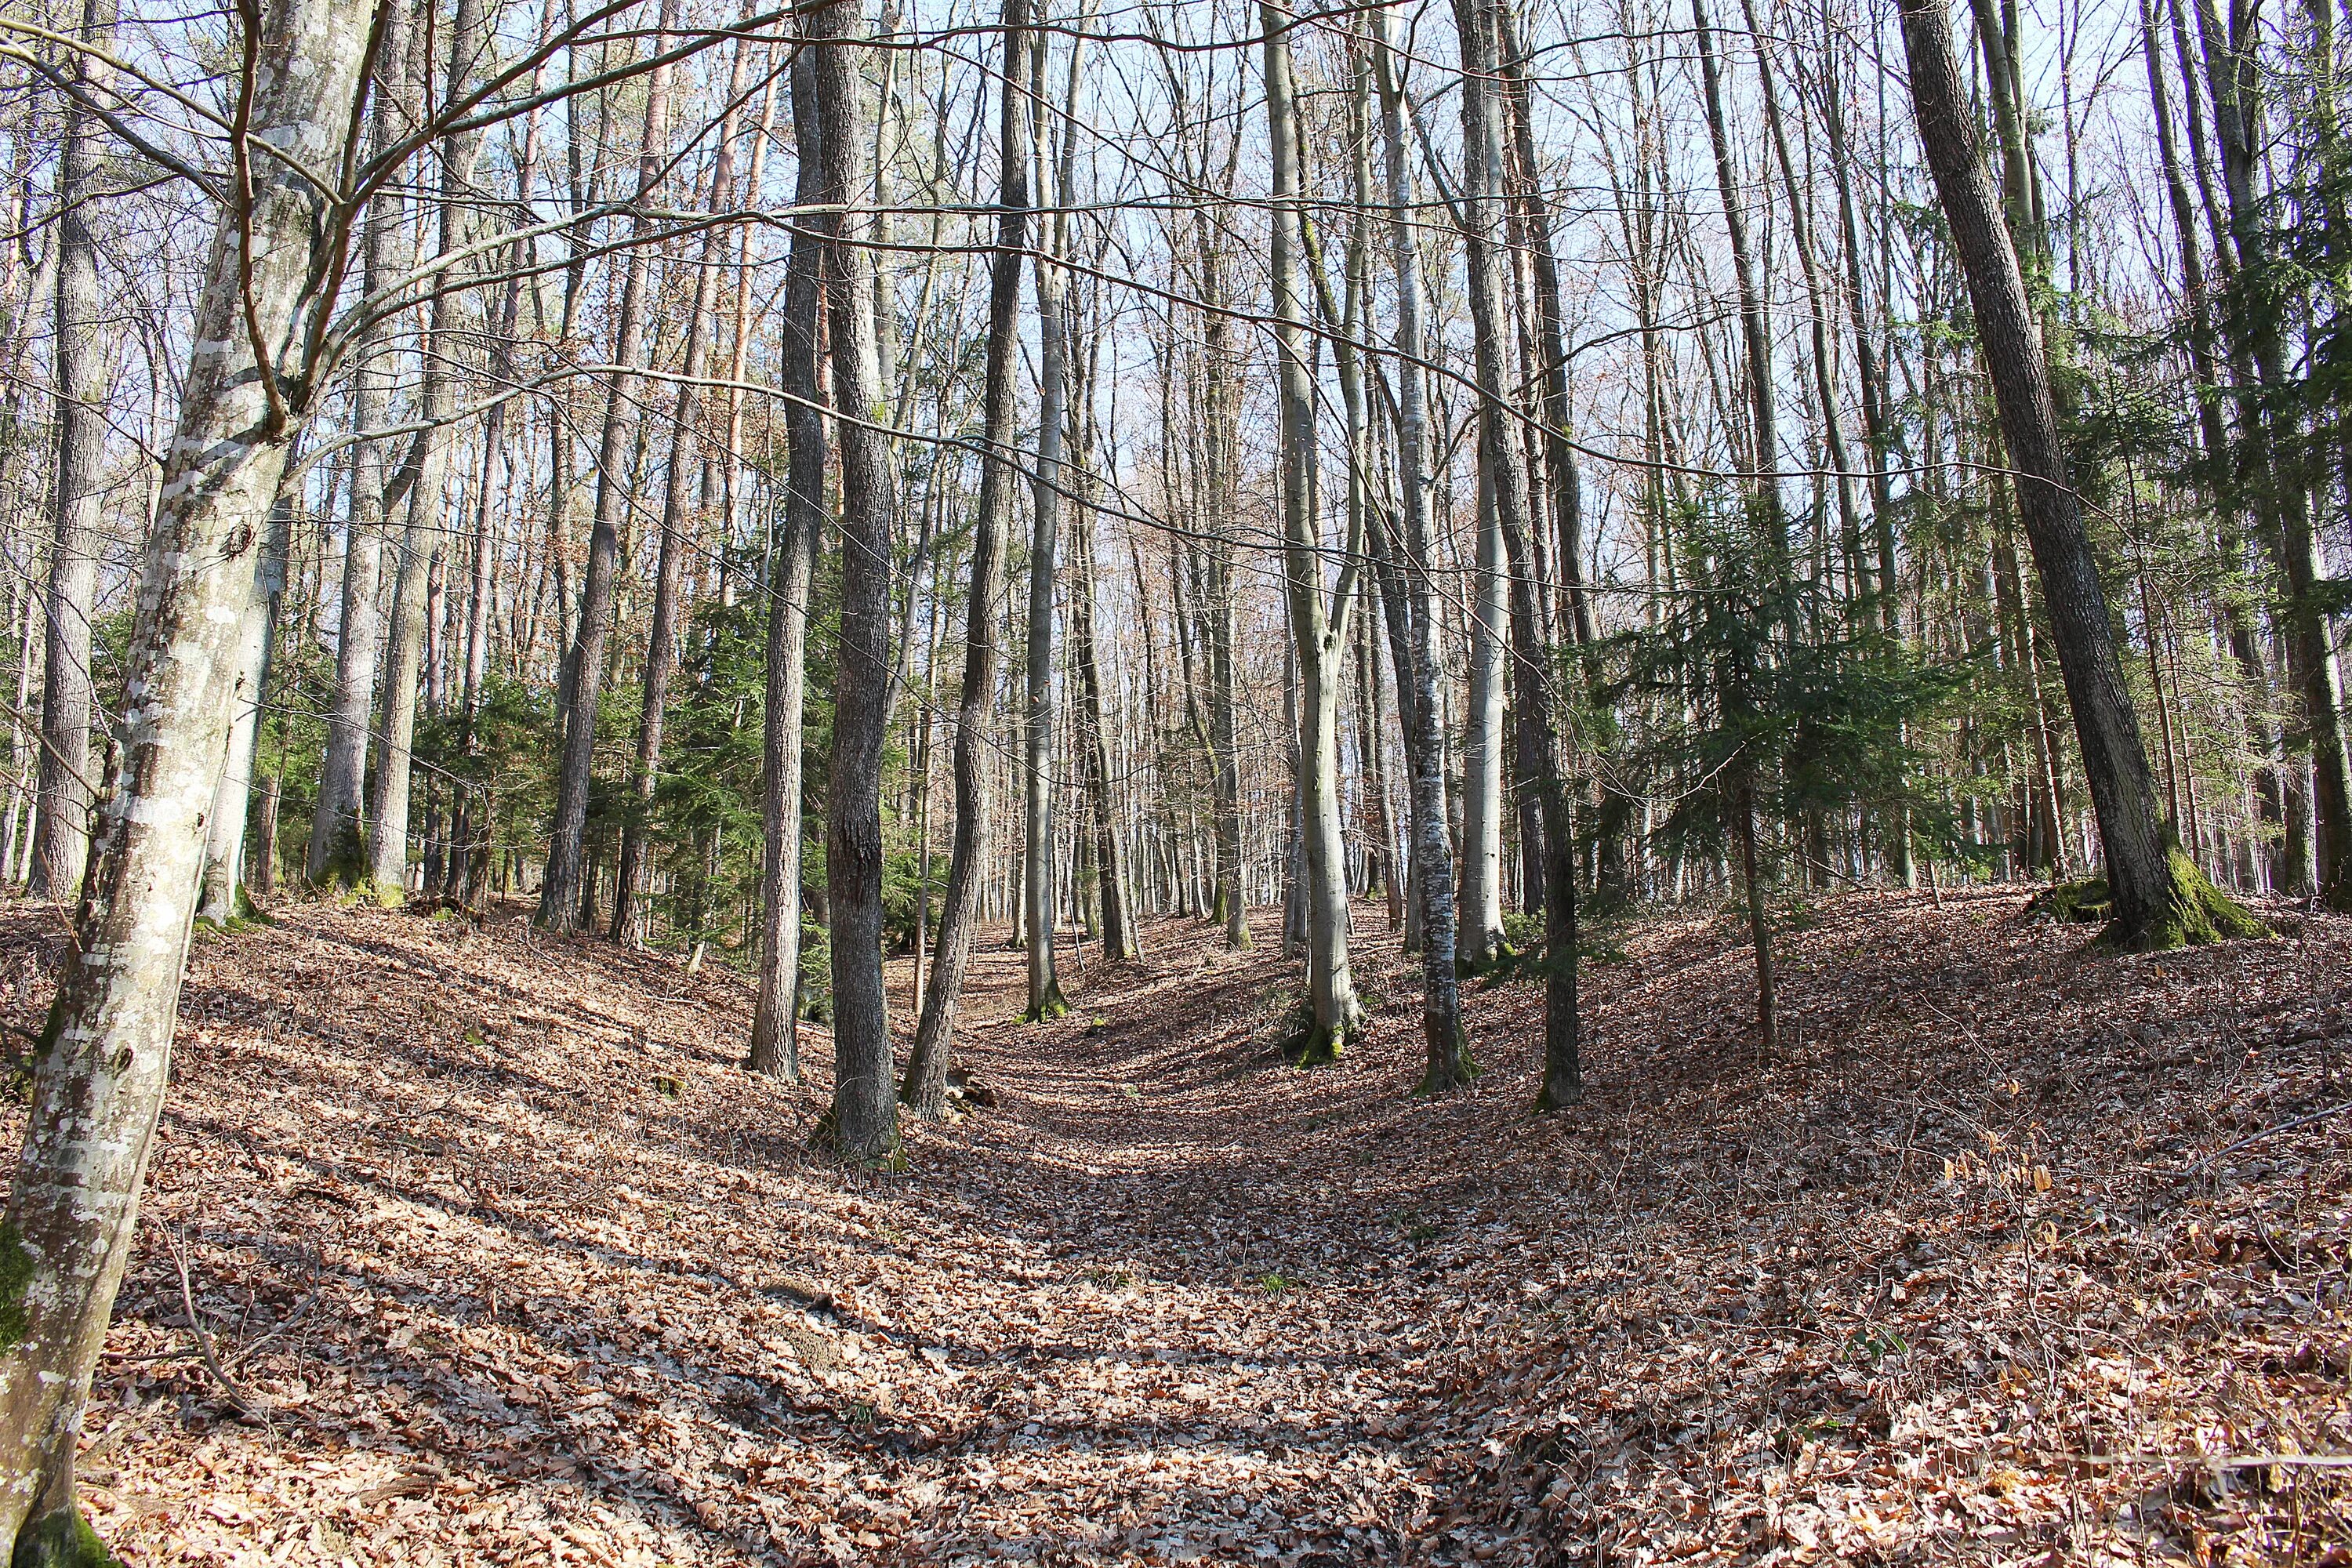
x: 61, y: 1540
x: 1308, y: 1044
x: 2084, y: 903
x: 2196, y: 912
x: 1048, y: 1007
x: 16, y: 1278
x: 1433, y: 1083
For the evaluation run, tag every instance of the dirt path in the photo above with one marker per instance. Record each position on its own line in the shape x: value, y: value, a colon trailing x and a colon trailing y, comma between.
x: 509, y: 1262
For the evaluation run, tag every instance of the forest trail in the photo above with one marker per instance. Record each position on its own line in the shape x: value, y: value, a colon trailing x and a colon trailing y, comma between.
x: 506, y: 1260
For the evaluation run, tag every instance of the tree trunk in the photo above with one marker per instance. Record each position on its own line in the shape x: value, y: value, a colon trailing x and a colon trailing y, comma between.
x: 1501, y: 487
x: 1111, y: 856
x: 1318, y: 633
x: 775, y: 1037
x: 223, y: 897
x: 422, y: 477
x: 927, y: 1063
x: 669, y: 572
x: 559, y: 891
x: 101, y: 1080
x: 2272, y: 440
x: 865, y: 1116
x: 2159, y: 899
x: 1764, y: 460
x: 62, y: 829
x: 1046, y: 1000
x: 1449, y: 1065
x: 337, y: 853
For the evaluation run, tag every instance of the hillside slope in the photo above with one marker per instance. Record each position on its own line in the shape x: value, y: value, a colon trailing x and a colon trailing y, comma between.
x: 504, y: 1260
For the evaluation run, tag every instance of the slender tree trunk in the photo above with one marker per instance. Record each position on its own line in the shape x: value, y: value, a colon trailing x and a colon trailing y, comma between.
x: 1755, y: 334
x: 2261, y: 733
x: 61, y: 834
x: 927, y: 1063
x: 1111, y: 856
x: 101, y: 1080
x: 669, y: 572
x: 1501, y: 487
x: 1046, y: 1000
x: 424, y: 476
x: 337, y: 853
x: 223, y: 890
x: 775, y: 1039
x: 2273, y: 440
x: 1449, y: 1064
x: 559, y: 891
x: 1318, y: 633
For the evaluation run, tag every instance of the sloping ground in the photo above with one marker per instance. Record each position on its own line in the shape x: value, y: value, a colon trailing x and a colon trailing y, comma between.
x: 503, y: 1260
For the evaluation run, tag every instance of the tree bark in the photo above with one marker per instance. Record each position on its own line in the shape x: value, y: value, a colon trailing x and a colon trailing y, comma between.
x: 559, y: 891
x: 61, y: 831
x: 223, y: 897
x: 1039, y: 913
x: 337, y: 853
x: 2271, y: 437
x: 102, y: 1075
x: 865, y: 1116
x: 927, y: 1063
x: 775, y: 1039
x: 669, y: 572
x: 2155, y: 892
x: 1449, y: 1065
x: 1318, y: 632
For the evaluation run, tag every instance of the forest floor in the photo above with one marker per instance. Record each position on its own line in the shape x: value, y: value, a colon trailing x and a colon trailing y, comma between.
x: 501, y: 1257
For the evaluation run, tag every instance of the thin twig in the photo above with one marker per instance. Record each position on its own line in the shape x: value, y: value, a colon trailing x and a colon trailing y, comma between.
x: 2267, y: 1132
x: 246, y: 1403
x: 2216, y: 1461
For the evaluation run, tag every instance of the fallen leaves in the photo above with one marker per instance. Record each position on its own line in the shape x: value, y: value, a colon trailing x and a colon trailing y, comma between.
x: 516, y: 1264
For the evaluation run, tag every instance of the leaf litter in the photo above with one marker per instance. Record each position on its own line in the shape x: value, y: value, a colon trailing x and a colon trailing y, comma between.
x: 2010, y: 1251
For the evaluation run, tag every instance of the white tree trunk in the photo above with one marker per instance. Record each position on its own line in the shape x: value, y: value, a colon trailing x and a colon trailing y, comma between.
x: 1317, y: 635
x: 223, y: 895
x: 101, y: 1078
x: 1480, y: 917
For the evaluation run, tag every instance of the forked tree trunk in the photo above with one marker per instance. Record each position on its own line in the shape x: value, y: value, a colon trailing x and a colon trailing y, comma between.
x: 101, y: 1077
x: 775, y: 1039
x: 865, y: 1116
x: 927, y: 1065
